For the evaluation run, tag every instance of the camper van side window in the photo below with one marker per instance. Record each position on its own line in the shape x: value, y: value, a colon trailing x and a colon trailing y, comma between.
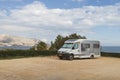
x: 96, y: 45
x: 84, y: 47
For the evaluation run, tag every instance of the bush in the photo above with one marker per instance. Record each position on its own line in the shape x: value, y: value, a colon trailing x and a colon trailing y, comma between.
x: 107, y: 54
x: 24, y: 53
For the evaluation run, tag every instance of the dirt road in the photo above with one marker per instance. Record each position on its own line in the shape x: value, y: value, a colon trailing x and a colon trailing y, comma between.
x: 51, y: 68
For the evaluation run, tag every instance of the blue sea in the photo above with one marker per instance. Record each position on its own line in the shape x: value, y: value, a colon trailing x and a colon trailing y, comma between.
x: 111, y: 49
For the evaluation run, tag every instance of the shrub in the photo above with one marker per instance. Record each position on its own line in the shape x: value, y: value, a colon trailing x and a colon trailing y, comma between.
x: 24, y: 53
x: 107, y: 54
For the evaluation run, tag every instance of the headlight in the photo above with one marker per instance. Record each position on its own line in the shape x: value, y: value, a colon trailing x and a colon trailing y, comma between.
x: 59, y: 51
x: 59, y: 54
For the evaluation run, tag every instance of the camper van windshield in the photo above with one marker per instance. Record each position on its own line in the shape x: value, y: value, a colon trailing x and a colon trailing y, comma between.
x: 67, y: 45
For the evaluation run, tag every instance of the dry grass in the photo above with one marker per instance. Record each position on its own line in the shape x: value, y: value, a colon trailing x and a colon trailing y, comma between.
x: 51, y: 68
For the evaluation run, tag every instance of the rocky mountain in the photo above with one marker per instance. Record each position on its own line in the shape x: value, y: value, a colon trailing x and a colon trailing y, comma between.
x: 8, y: 40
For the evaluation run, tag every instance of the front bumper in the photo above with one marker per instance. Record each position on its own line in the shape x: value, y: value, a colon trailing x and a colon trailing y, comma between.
x: 63, y: 55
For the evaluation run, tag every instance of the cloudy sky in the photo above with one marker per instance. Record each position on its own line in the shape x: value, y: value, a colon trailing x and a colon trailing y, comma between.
x: 45, y: 19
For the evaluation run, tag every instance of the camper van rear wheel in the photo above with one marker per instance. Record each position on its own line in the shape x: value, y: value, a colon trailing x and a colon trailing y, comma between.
x: 71, y: 57
x: 92, y: 57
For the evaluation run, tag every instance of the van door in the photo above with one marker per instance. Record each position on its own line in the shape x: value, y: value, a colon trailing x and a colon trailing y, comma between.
x: 76, y: 49
x: 96, y: 49
x: 85, y: 49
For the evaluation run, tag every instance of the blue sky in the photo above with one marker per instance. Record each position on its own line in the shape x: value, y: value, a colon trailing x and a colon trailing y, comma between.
x: 45, y: 19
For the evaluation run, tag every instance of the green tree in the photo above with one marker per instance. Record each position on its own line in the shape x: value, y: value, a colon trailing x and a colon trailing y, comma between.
x: 41, y: 46
x: 52, y: 47
x: 75, y: 36
x: 59, y: 41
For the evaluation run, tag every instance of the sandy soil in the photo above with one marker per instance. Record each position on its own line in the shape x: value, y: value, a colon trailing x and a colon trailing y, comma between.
x: 51, y: 68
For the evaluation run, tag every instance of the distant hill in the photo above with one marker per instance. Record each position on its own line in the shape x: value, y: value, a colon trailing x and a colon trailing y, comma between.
x: 8, y: 40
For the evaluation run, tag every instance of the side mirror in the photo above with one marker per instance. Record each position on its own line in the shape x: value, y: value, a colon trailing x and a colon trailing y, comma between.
x: 73, y: 48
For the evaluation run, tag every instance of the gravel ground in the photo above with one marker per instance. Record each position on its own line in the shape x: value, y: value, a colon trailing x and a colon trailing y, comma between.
x: 51, y: 68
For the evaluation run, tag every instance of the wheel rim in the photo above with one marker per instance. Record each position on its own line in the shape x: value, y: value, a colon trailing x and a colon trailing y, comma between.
x: 71, y: 57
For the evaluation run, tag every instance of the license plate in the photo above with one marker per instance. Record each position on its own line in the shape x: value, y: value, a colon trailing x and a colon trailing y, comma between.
x: 60, y: 54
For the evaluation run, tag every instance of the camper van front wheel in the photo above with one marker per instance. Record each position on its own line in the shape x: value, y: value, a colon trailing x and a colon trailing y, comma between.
x: 60, y: 57
x: 92, y: 57
x: 71, y: 57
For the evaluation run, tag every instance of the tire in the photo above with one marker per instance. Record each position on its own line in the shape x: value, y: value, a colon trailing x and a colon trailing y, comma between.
x: 60, y: 57
x: 71, y: 57
x: 92, y: 57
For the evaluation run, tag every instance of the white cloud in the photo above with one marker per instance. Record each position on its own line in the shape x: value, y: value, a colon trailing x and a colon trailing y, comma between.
x: 78, y: 0
x: 38, y: 19
x: 15, y: 28
x: 44, y: 40
x: 3, y: 13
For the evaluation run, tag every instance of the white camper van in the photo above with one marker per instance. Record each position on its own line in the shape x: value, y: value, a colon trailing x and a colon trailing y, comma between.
x: 79, y: 48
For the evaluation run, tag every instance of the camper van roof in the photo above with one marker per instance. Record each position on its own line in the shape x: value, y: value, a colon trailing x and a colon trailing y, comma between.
x: 75, y: 40
x: 71, y: 39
